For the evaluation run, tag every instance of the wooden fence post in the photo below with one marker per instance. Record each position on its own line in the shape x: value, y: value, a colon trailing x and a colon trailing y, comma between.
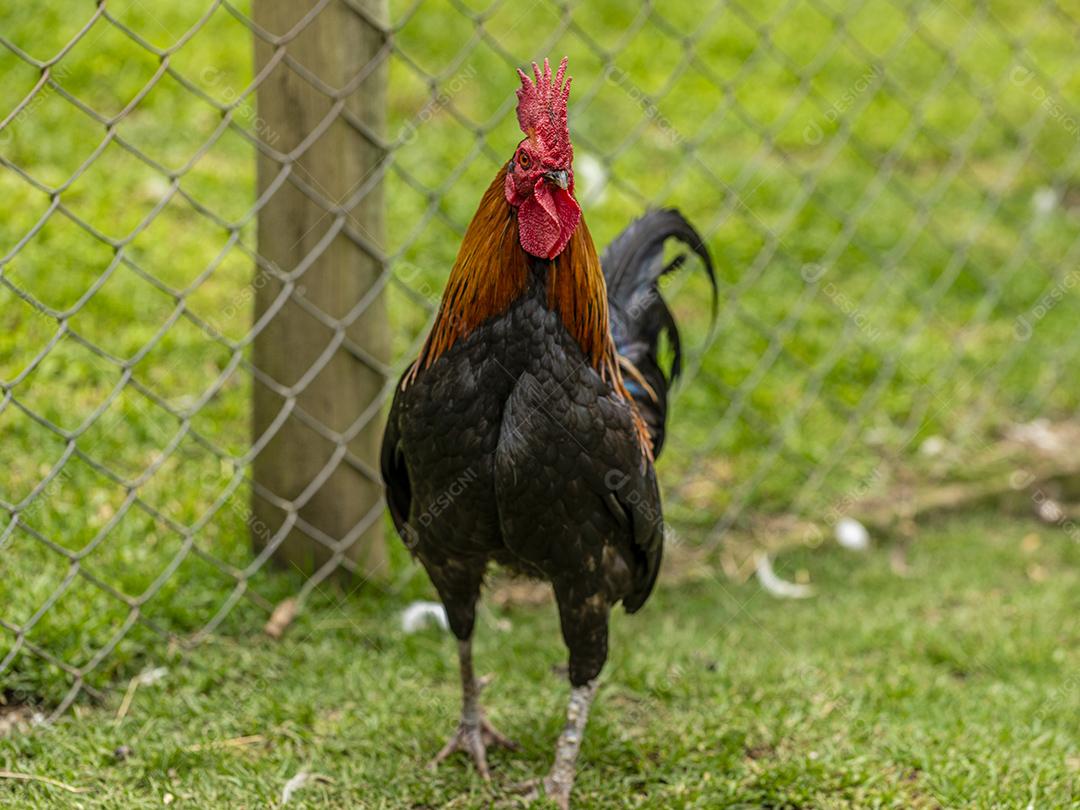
x: 331, y: 162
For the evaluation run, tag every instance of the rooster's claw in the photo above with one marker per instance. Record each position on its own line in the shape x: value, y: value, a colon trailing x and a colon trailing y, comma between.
x: 474, y: 739
x: 532, y: 789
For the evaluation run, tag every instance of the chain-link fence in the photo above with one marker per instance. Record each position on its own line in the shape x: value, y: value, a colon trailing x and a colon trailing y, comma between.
x: 887, y: 187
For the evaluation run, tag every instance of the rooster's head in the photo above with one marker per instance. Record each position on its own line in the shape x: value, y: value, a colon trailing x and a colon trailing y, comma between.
x: 540, y: 175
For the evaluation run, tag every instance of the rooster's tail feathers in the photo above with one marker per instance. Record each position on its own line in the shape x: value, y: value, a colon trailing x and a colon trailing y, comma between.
x: 633, y: 265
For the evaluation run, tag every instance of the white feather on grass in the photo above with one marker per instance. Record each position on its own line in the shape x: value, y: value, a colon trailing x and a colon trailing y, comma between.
x: 852, y: 535
x: 419, y: 615
x: 300, y: 780
x: 780, y: 588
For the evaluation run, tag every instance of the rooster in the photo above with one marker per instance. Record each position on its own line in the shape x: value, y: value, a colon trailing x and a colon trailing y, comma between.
x: 525, y: 432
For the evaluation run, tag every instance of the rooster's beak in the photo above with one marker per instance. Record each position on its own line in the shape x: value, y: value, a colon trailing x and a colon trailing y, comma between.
x: 561, y: 179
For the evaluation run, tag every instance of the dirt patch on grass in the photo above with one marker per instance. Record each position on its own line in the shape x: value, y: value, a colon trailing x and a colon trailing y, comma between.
x: 18, y: 713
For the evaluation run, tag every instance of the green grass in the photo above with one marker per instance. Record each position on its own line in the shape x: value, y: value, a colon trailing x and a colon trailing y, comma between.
x: 806, y: 387
x: 954, y: 687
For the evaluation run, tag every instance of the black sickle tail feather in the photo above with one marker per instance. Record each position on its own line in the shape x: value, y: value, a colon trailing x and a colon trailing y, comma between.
x: 633, y: 265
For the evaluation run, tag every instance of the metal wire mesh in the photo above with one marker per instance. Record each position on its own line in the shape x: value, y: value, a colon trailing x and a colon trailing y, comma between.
x: 887, y: 187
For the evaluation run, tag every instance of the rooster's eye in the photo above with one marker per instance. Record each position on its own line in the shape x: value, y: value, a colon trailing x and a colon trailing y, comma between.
x: 524, y: 160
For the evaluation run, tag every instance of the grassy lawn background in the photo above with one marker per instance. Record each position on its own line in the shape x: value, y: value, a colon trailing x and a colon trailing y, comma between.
x: 955, y: 687
x: 882, y: 204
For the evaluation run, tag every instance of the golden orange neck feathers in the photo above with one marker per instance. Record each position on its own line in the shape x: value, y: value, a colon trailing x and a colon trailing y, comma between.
x: 577, y: 292
x: 492, y: 271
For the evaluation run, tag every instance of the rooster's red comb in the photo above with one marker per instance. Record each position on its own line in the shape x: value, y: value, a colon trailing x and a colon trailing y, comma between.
x: 541, y: 110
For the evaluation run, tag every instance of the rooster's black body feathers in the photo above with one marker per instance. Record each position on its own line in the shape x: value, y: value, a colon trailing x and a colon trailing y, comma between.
x: 511, y: 447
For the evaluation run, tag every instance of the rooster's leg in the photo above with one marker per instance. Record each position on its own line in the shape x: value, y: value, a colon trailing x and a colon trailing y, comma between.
x: 560, y: 780
x: 584, y: 625
x: 474, y: 733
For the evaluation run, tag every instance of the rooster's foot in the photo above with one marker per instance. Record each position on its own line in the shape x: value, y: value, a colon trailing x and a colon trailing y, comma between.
x: 474, y: 739
x: 533, y: 789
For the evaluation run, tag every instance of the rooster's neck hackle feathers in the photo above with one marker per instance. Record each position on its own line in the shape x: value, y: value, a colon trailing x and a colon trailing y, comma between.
x: 578, y: 293
x: 492, y: 271
x: 541, y: 110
